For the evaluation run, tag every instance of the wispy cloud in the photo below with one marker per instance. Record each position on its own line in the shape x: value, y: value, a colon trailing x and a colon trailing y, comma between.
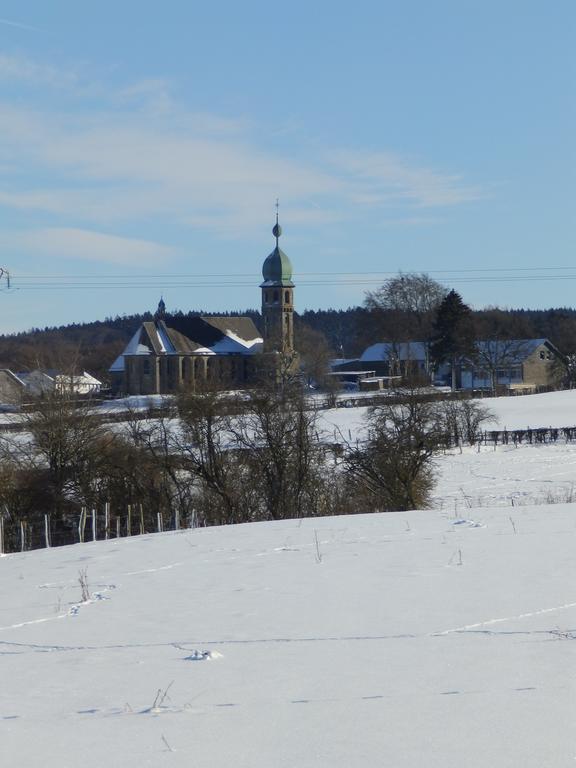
x: 18, y: 25
x: 384, y: 176
x: 24, y: 69
x: 87, y: 245
x: 109, y: 165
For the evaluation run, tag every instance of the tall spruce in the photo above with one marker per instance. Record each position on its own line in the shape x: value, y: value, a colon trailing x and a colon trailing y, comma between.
x: 454, y: 339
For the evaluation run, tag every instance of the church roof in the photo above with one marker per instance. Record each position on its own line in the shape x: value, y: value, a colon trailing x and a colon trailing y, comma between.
x: 277, y: 269
x: 206, y: 336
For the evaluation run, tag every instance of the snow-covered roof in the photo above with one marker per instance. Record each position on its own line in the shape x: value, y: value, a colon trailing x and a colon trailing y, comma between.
x: 408, y: 350
x: 510, y: 350
x: 207, y: 336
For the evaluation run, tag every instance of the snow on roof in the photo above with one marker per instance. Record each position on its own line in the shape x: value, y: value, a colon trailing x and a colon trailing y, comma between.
x: 231, y: 343
x: 134, y: 347
x: 513, y: 350
x: 220, y: 340
x: 164, y: 340
x: 409, y: 350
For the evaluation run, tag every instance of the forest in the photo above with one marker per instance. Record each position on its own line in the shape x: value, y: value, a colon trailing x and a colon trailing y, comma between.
x: 343, y: 332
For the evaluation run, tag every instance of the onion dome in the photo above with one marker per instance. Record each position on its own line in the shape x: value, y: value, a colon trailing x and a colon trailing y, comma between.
x: 277, y: 269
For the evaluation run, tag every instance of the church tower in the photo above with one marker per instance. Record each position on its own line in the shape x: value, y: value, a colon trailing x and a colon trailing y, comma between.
x: 278, y: 299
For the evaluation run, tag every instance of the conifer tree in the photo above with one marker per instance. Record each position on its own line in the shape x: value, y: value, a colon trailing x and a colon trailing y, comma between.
x: 454, y: 337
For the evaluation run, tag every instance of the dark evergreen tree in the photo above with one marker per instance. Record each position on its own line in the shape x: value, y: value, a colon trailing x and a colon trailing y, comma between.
x: 453, y: 338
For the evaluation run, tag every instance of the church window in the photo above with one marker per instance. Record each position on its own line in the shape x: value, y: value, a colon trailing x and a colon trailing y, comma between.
x: 146, y: 365
x: 287, y: 297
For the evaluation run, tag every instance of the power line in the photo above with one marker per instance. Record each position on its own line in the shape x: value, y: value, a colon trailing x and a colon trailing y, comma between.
x: 302, y: 279
x: 308, y: 284
x: 256, y: 276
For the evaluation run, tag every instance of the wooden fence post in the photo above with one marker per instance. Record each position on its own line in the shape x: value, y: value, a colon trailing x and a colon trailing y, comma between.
x: 22, y: 536
x: 107, y: 520
x: 117, y: 527
x: 141, y: 520
x: 82, y: 524
x: 94, y: 533
x: 129, y: 524
x: 47, y: 531
x: 2, y: 552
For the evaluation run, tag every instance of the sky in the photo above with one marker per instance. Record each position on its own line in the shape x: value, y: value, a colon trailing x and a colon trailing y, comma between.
x: 143, y: 146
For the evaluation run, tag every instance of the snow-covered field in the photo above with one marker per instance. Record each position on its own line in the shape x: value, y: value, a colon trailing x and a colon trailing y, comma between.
x: 442, y: 638
x: 552, y: 409
x: 507, y: 476
x: 407, y: 639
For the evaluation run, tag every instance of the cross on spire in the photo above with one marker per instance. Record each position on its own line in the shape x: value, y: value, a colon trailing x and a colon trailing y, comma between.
x: 277, y: 229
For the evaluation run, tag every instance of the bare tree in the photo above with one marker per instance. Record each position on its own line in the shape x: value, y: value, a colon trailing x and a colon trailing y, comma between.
x: 277, y: 433
x: 497, y: 356
x: 393, y: 468
x: 416, y: 295
x: 207, y: 453
x: 463, y: 420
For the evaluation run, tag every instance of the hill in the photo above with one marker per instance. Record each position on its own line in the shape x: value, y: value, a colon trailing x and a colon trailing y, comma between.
x: 404, y: 639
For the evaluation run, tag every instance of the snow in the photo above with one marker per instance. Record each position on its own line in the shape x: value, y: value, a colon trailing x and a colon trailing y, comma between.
x: 507, y: 476
x: 404, y: 639
x: 166, y: 345
x: 132, y: 348
x: 436, y: 638
x: 230, y: 344
x: 551, y: 409
x: 415, y: 350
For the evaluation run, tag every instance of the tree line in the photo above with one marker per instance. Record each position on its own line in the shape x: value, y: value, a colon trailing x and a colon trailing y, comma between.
x: 214, y: 458
x: 402, y: 309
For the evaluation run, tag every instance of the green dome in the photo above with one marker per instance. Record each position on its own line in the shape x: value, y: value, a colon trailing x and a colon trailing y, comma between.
x: 277, y: 268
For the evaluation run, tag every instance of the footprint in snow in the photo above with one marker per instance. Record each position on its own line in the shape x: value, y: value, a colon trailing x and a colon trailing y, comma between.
x: 203, y: 656
x: 469, y: 523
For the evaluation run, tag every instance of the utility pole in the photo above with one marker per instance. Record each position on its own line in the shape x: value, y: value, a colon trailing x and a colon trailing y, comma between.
x: 5, y: 277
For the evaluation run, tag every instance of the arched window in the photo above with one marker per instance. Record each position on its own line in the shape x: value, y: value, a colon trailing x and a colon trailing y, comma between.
x: 286, y: 297
x: 275, y: 299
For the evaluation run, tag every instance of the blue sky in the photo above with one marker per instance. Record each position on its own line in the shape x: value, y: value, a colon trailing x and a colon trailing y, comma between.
x: 143, y: 146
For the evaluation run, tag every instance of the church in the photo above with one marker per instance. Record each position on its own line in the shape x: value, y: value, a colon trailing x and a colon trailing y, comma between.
x: 216, y: 350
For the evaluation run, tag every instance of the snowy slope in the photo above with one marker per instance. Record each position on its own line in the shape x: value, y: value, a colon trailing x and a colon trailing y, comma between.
x: 552, y: 409
x: 506, y: 476
x: 408, y: 639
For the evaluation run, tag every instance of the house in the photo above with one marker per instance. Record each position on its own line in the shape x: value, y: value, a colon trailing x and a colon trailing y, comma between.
x: 160, y: 359
x: 17, y: 387
x: 389, y: 359
x: 39, y: 382
x: 515, y: 364
x: 12, y: 387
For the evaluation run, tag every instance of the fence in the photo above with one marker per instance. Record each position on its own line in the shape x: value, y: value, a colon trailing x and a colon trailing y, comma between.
x: 89, y: 525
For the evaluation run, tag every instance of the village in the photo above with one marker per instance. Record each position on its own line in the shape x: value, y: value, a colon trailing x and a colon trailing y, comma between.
x: 287, y: 384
